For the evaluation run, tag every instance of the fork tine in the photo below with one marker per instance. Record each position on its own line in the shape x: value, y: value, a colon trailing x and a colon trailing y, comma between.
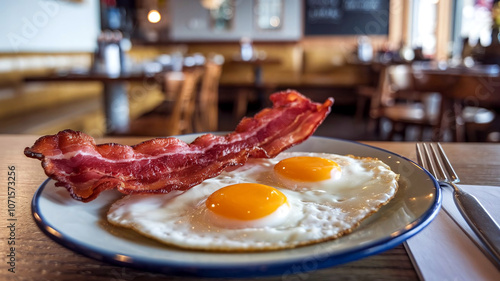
x: 430, y: 161
x: 447, y: 164
x: 439, y: 162
x: 420, y: 156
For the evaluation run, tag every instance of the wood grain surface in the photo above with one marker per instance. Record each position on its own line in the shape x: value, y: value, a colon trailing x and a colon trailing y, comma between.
x: 39, y: 258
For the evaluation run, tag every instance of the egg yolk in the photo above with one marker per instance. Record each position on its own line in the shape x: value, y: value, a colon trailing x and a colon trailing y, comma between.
x: 245, y: 201
x: 306, y: 168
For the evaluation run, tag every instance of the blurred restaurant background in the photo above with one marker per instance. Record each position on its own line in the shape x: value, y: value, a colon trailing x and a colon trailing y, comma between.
x: 400, y: 70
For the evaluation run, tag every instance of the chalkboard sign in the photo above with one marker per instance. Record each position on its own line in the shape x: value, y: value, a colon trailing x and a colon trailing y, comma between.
x: 346, y: 17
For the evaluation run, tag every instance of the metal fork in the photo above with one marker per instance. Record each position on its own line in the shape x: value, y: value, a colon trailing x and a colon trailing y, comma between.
x: 433, y: 158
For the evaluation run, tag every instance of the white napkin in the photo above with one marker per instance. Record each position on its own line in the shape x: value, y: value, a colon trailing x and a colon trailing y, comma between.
x: 445, y: 250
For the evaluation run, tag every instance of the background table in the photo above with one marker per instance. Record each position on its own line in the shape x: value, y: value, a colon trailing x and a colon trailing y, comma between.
x: 116, y: 105
x: 40, y: 258
x: 258, y: 83
x: 459, y: 86
x: 256, y: 64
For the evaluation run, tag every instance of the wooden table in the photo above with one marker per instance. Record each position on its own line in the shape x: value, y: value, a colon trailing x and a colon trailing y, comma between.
x: 258, y: 83
x: 460, y: 86
x: 116, y: 105
x: 40, y: 258
x: 257, y: 64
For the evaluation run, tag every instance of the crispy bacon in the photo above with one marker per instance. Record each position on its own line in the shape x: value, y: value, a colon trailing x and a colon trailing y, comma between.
x: 164, y: 164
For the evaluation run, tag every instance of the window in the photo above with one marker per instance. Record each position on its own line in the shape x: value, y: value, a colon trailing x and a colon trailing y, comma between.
x: 222, y: 17
x: 269, y: 14
x: 476, y: 21
x: 423, y: 27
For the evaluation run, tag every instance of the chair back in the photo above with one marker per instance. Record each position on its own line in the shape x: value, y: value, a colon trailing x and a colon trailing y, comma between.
x: 400, y: 77
x: 173, y: 116
x: 382, y: 95
x: 207, y: 108
x: 181, y: 119
x: 393, y: 79
x: 477, y: 90
x: 173, y: 81
x: 397, y: 85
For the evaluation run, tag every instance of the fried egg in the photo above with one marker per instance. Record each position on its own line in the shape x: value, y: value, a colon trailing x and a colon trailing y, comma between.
x: 288, y: 201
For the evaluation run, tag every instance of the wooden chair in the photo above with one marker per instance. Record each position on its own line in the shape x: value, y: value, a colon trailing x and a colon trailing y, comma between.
x: 365, y: 93
x: 469, y: 101
x: 173, y: 84
x: 207, y: 105
x: 397, y: 101
x: 460, y: 108
x: 171, y: 117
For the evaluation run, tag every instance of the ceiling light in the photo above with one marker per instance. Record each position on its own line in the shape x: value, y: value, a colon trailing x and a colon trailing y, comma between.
x: 154, y: 16
x: 211, y: 4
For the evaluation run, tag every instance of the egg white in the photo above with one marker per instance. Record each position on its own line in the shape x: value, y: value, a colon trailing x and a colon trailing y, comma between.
x: 321, y: 211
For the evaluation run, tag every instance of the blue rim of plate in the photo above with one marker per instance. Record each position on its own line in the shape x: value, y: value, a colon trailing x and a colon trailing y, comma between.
x: 246, y: 270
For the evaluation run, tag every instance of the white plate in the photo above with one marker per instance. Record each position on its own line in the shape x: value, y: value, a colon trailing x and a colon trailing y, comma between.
x: 82, y: 227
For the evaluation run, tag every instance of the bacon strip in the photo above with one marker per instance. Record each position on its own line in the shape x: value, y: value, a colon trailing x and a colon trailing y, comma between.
x: 164, y: 164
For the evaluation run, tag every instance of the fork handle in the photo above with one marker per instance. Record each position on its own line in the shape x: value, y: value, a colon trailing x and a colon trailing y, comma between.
x: 480, y: 221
